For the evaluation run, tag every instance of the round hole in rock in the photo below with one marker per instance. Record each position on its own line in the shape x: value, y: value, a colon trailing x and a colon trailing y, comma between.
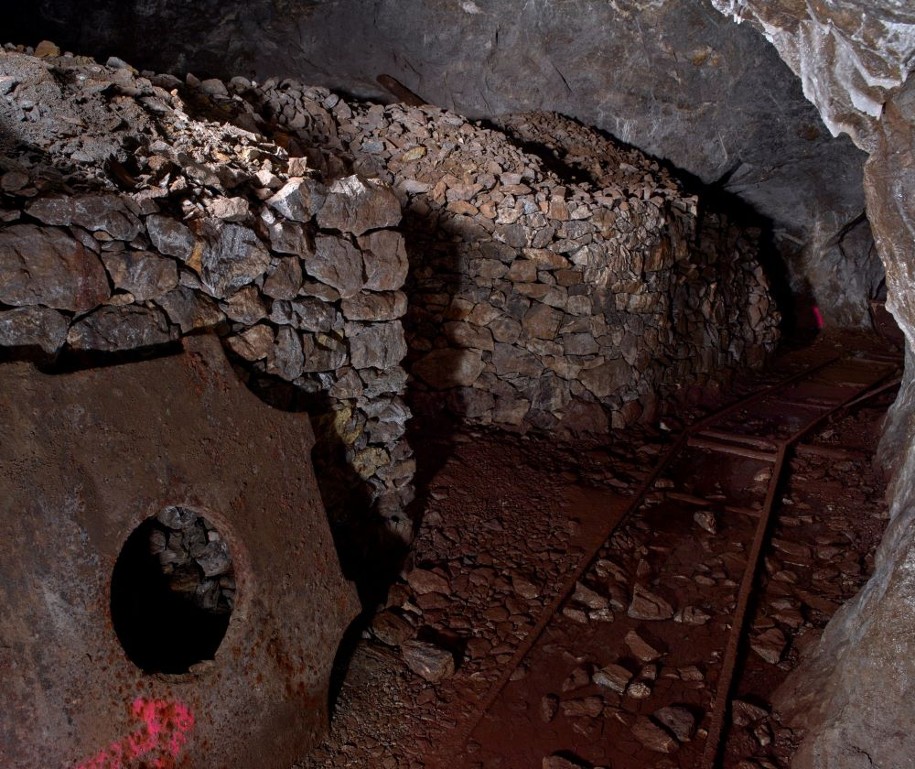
x: 172, y: 591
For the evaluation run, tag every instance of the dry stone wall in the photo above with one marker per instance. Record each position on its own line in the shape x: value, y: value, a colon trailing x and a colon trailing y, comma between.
x: 126, y: 223
x: 671, y: 77
x: 546, y: 277
x: 552, y: 289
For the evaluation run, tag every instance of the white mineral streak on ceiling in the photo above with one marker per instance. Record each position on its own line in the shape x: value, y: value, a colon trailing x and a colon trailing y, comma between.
x: 847, y: 72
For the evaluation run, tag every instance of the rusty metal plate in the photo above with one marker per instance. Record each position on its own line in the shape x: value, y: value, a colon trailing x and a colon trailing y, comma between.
x: 87, y: 457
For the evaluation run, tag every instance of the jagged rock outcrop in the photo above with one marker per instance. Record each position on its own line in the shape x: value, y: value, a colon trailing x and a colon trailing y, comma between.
x: 850, y: 55
x: 854, y: 693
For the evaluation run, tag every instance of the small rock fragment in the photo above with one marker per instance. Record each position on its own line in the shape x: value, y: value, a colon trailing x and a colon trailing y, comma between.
x: 706, y: 521
x: 524, y: 587
x: 638, y: 690
x: 33, y: 327
x: 614, y: 677
x: 390, y: 628
x: 579, y: 677
x: 46, y: 49
x: 143, y: 274
x: 642, y: 650
x: 678, y: 720
x: 232, y: 257
x: 44, y: 265
x: 653, y: 736
x: 648, y: 606
x: 744, y: 713
x: 549, y: 706
x: 176, y: 517
x: 355, y: 205
x: 427, y: 581
x: 770, y: 645
x: 230, y: 209
x: 111, y: 329
x: 587, y: 707
x: 427, y: 660
x: 588, y: 597
x: 691, y: 615
x: 215, y: 559
x: 691, y: 673
x: 299, y: 199
x: 170, y: 237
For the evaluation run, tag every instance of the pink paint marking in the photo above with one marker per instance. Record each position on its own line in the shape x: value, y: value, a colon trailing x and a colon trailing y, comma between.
x: 818, y: 317
x: 162, y: 737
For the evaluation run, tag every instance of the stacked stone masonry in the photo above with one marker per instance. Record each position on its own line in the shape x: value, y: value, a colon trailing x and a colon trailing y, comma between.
x: 546, y: 277
x: 562, y: 299
x: 125, y: 224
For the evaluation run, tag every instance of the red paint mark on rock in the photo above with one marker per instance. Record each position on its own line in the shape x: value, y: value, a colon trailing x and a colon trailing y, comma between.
x: 158, y: 742
x: 818, y: 317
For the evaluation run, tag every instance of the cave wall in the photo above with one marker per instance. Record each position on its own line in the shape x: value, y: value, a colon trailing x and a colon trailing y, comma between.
x: 672, y: 77
x: 855, y: 694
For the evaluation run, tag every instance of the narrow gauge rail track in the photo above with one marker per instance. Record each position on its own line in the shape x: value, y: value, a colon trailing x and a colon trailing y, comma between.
x: 729, y: 467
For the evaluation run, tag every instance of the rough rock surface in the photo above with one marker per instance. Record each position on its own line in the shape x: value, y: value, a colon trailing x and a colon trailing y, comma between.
x: 850, y: 55
x: 125, y: 222
x: 558, y: 281
x: 708, y: 95
x: 853, y: 694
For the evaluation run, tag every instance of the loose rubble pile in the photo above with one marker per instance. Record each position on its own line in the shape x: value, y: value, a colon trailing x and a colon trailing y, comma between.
x: 126, y: 223
x: 194, y: 559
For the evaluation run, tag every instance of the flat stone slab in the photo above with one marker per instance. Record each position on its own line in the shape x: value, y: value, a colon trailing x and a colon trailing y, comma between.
x: 86, y: 457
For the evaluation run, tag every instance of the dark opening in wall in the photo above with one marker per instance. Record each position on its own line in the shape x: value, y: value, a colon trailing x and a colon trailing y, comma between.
x: 172, y: 591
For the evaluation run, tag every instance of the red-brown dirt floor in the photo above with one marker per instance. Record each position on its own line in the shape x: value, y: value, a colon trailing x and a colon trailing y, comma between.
x: 568, y: 604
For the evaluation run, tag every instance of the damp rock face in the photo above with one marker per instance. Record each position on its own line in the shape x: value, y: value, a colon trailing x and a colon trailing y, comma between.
x: 854, y: 60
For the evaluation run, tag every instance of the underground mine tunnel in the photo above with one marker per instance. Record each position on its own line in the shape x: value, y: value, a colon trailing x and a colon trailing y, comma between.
x: 457, y: 384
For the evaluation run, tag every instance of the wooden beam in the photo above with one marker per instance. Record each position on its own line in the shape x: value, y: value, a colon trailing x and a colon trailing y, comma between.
x: 399, y: 90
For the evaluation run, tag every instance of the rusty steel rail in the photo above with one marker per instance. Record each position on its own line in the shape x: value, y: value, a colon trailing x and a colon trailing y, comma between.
x: 714, y: 743
x: 638, y: 498
x: 703, y: 434
x: 567, y: 589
